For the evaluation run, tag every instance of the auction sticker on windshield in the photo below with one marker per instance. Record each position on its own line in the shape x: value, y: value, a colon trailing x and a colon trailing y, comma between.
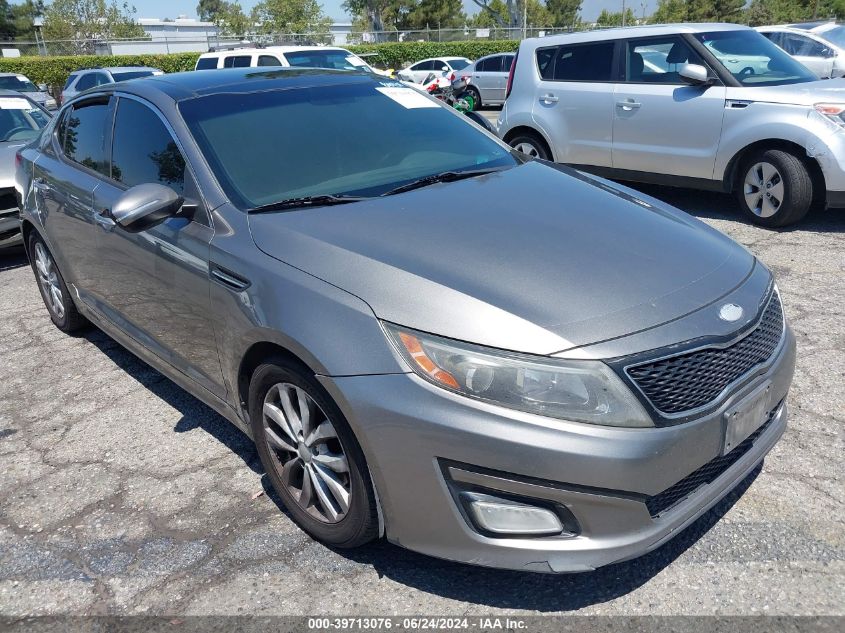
x: 12, y: 103
x: 408, y: 97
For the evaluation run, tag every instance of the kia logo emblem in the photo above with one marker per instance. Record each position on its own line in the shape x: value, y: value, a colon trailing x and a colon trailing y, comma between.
x: 730, y: 312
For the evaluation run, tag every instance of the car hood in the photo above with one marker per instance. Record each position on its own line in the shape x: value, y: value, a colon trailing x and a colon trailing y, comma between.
x: 7, y: 163
x: 536, y: 259
x: 805, y: 94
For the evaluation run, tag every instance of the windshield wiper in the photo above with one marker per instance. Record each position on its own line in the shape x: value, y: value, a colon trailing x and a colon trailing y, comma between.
x: 307, y: 201
x: 444, y: 176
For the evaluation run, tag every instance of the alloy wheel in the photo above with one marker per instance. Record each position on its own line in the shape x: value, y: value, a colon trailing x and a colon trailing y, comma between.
x: 49, y: 280
x: 308, y: 455
x: 763, y: 189
x: 527, y: 148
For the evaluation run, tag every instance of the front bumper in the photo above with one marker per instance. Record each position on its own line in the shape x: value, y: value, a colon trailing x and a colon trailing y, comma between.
x: 421, y: 442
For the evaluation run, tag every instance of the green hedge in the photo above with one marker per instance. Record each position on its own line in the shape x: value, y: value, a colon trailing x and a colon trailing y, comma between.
x: 54, y: 71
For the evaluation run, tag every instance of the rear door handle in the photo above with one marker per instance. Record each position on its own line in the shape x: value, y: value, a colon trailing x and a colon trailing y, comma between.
x: 628, y: 105
x: 548, y: 99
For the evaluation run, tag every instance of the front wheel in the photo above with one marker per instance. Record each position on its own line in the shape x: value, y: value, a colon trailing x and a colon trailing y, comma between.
x: 474, y: 98
x: 774, y: 188
x: 311, y: 455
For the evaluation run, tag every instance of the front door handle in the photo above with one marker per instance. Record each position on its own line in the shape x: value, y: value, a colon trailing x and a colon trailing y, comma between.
x: 104, y: 220
x: 628, y: 105
x: 548, y: 99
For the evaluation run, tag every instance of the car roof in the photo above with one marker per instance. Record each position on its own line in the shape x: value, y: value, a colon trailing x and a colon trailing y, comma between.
x: 13, y: 75
x: 272, y: 49
x: 622, y: 32
x: 117, y: 69
x: 187, y: 85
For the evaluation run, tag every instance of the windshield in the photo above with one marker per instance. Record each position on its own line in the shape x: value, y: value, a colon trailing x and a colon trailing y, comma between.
x: 134, y: 74
x: 20, y: 120
x: 753, y: 60
x: 18, y: 83
x: 360, y: 139
x: 836, y: 35
x: 459, y: 64
x: 335, y: 59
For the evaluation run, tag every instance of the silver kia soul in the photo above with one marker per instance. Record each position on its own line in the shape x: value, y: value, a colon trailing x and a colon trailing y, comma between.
x: 481, y: 357
x: 710, y: 106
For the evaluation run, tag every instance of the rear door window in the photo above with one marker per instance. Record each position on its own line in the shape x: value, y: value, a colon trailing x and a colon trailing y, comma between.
x: 84, y: 135
x: 490, y: 65
x: 591, y: 62
x: 268, y: 60
x: 237, y: 61
x: 88, y: 80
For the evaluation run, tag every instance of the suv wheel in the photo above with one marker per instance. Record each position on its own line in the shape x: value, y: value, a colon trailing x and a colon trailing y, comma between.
x: 311, y: 456
x: 54, y: 292
x: 530, y: 145
x: 774, y: 188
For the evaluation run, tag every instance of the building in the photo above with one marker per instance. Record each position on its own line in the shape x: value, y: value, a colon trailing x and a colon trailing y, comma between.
x: 182, y: 35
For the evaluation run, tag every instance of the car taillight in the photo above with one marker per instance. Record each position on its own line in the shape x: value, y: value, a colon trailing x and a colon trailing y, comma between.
x: 510, y: 76
x: 452, y: 77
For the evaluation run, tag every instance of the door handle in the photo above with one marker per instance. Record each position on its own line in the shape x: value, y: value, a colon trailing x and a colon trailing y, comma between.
x: 104, y: 220
x: 628, y: 105
x: 225, y: 277
x: 548, y: 99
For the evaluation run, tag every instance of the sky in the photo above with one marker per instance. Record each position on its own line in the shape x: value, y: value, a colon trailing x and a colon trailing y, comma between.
x: 172, y: 8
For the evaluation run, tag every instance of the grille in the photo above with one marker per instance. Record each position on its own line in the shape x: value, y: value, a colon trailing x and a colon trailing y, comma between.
x: 708, y: 473
x: 688, y: 381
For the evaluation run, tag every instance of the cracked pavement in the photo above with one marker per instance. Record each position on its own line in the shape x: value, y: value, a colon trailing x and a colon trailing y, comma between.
x: 122, y: 494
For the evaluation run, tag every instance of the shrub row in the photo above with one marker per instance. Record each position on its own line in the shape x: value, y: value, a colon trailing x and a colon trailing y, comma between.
x: 54, y: 71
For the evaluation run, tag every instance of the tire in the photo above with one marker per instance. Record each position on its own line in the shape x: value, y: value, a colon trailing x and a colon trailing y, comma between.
x: 530, y: 144
x: 51, y: 284
x: 476, y: 97
x: 774, y: 188
x: 314, y: 471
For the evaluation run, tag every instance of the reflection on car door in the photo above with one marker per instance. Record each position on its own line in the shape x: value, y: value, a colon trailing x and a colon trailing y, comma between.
x: 64, y: 178
x: 814, y: 55
x: 660, y: 123
x: 574, y: 101
x: 154, y: 283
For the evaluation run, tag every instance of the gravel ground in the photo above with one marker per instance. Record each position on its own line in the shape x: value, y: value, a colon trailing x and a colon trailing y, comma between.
x: 122, y: 494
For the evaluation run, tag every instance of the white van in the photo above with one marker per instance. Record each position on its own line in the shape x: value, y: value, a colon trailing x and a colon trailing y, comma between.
x: 299, y: 56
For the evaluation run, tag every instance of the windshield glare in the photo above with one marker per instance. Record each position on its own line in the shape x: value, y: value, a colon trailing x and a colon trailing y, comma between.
x: 359, y: 139
x: 17, y: 84
x: 836, y: 35
x: 333, y: 59
x: 753, y: 60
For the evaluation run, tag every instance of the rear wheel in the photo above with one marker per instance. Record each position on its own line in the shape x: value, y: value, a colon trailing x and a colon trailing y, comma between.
x: 472, y: 92
x: 53, y: 289
x: 774, y: 188
x: 311, y: 455
x: 530, y: 144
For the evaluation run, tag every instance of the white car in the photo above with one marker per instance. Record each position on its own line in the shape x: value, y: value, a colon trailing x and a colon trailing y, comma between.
x: 813, y: 45
x: 286, y: 56
x: 418, y: 71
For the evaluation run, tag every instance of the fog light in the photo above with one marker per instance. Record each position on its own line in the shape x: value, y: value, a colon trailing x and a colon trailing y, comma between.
x: 501, y: 516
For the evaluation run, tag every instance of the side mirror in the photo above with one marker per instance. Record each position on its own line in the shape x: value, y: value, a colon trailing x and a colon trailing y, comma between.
x: 695, y: 75
x: 445, y: 69
x: 143, y: 206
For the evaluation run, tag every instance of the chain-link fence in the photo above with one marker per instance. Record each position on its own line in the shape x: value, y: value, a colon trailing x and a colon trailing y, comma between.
x: 337, y: 37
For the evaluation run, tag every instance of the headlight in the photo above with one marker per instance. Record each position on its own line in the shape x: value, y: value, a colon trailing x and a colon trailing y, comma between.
x: 581, y: 391
x: 834, y: 112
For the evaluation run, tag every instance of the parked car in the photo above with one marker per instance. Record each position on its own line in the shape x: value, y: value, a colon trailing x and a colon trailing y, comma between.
x: 824, y: 58
x: 299, y: 56
x: 443, y: 373
x: 21, y: 120
x: 420, y: 70
x: 720, y: 107
x: 21, y: 83
x: 488, y: 78
x: 88, y: 78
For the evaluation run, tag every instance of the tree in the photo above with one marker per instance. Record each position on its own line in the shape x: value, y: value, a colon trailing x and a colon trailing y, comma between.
x: 495, y: 15
x: 608, y: 18
x: 669, y: 11
x: 290, y: 16
x: 382, y: 15
x: 89, y: 20
x: 563, y: 13
x: 437, y: 14
x: 230, y: 19
x: 207, y: 10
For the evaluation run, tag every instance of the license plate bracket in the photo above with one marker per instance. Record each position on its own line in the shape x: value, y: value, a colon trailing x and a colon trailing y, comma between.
x: 746, y: 417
